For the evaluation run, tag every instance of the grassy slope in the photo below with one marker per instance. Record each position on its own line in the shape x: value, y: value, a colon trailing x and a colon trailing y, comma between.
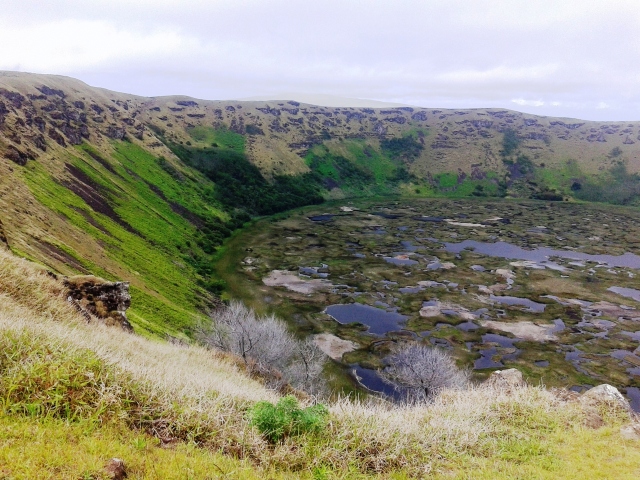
x: 74, y: 395
x: 153, y: 253
x: 201, y: 399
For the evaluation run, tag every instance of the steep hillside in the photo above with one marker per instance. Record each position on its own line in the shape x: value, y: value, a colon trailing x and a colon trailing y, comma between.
x: 145, y: 189
x: 78, y: 198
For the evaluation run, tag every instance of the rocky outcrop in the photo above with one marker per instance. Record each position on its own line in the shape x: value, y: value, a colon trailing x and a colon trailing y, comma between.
x: 506, y: 379
x: 99, y: 299
x: 606, y: 394
x: 17, y: 156
x: 116, y: 469
x: 117, y: 133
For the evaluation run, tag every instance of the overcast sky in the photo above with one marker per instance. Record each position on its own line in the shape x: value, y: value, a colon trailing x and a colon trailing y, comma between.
x: 549, y: 57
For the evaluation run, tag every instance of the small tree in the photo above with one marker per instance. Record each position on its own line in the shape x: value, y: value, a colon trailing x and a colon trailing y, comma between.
x: 420, y: 372
x: 265, y: 345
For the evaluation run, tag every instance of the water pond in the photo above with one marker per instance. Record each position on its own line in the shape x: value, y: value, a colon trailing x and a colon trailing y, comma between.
x: 379, y: 321
x: 541, y: 255
x: 562, y: 275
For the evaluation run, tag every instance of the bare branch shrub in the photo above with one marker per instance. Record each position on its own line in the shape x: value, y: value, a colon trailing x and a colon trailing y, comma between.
x: 266, y: 346
x: 420, y: 372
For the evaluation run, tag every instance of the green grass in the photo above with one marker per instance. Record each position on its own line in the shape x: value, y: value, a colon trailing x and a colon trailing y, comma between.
x: 222, y: 137
x: 561, y: 177
x: 358, y: 166
x: 158, y: 255
x: 51, y: 448
x: 446, y: 180
x: 446, y: 185
x: 365, y: 156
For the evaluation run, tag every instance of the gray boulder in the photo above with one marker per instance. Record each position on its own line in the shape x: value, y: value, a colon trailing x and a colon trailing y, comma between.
x: 605, y: 394
x: 506, y: 379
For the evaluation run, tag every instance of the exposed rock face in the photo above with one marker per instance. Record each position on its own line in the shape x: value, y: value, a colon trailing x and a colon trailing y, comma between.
x: 631, y: 432
x: 17, y: 156
x: 506, y: 379
x: 106, y: 301
x: 291, y: 281
x: 524, y: 330
x: 333, y: 346
x: 117, y: 133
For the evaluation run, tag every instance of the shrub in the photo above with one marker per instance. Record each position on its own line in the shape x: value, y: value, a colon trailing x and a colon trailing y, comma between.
x: 420, y: 372
x: 267, y: 348
x: 405, y: 148
x: 286, y: 418
x: 510, y: 142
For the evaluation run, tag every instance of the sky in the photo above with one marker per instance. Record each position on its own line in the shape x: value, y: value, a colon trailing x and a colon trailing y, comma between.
x: 578, y: 59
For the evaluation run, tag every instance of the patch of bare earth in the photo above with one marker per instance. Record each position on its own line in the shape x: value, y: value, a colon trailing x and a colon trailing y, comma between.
x: 333, y: 346
x: 291, y: 281
x: 436, y: 310
x: 524, y: 330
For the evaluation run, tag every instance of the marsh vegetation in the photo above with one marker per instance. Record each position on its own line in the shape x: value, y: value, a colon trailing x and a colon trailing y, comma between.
x: 547, y: 288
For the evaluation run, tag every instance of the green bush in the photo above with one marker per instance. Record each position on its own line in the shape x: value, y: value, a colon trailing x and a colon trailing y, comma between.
x: 286, y: 418
x: 510, y: 142
x: 405, y: 148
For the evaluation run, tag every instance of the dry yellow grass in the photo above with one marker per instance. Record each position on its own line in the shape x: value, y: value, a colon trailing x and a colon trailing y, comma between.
x: 35, y: 302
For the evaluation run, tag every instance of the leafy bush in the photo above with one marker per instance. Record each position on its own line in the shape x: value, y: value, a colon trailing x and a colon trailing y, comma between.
x: 340, y: 169
x: 241, y: 185
x: 405, y: 148
x: 548, y: 194
x: 286, y: 418
x: 616, y: 186
x: 525, y: 165
x: 510, y: 142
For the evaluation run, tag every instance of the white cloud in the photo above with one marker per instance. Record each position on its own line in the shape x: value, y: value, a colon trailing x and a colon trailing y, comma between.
x: 64, y: 46
x: 440, y: 53
x: 501, y: 74
x: 529, y: 103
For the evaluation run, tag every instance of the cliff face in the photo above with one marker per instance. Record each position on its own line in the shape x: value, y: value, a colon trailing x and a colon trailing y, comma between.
x: 468, y: 141
x: 41, y: 114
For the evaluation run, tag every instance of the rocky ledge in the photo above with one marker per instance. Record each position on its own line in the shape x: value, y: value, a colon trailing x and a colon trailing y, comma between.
x: 100, y: 299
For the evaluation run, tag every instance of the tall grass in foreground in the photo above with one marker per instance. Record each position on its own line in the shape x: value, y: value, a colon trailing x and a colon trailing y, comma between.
x: 55, y: 366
